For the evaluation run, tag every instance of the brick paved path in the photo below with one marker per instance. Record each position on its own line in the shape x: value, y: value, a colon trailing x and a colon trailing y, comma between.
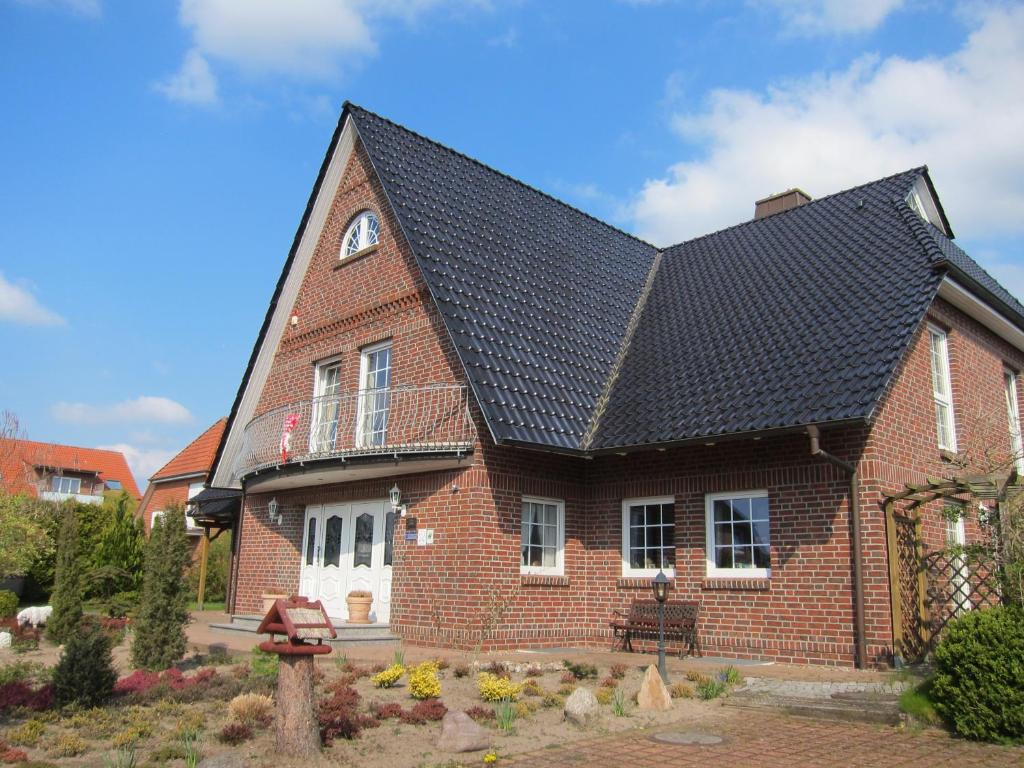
x: 768, y: 740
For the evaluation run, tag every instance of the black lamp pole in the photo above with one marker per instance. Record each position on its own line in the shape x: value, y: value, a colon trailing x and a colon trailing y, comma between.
x: 660, y: 586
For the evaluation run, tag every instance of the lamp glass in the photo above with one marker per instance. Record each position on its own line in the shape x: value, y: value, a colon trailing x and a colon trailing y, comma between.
x: 272, y: 507
x: 660, y: 586
x: 396, y: 496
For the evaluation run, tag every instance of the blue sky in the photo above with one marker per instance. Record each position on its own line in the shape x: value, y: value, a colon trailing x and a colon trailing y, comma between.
x: 157, y: 156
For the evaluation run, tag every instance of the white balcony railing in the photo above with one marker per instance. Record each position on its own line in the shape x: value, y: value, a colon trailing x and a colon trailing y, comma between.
x: 433, y: 418
x: 84, y: 498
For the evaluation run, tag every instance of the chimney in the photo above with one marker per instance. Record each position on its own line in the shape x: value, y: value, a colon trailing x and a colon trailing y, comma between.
x: 779, y: 202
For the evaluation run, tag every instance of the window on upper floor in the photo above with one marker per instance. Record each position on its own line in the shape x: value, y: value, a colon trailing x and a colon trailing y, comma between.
x: 66, y: 484
x: 1013, y: 419
x: 113, y: 485
x: 648, y: 536
x: 738, y: 534
x: 326, y: 406
x: 363, y: 232
x: 942, y: 389
x: 374, y: 395
x: 543, y: 536
x: 916, y: 205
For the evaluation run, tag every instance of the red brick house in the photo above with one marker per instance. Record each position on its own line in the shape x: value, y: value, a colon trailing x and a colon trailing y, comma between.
x: 58, y: 472
x: 181, y: 478
x: 565, y: 410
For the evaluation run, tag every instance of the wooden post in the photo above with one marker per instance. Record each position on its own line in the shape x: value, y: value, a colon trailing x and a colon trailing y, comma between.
x: 298, y: 733
x: 204, y: 551
x: 922, y: 585
x: 895, y: 588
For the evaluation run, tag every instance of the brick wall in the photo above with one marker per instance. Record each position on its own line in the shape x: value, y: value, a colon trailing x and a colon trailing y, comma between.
x: 466, y: 590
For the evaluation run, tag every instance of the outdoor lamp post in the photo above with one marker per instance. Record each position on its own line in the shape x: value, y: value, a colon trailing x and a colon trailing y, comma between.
x: 396, y: 500
x: 660, y: 586
x: 272, y: 507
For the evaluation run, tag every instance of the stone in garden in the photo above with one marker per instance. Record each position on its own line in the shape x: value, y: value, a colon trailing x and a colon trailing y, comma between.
x: 225, y: 760
x: 653, y: 696
x: 581, y: 707
x: 461, y: 733
x: 5, y: 639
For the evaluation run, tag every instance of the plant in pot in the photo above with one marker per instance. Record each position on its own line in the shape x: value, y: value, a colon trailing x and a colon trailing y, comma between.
x: 359, y: 602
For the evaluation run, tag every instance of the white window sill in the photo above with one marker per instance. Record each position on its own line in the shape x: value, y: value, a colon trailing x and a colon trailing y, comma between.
x: 647, y: 573
x: 739, y: 573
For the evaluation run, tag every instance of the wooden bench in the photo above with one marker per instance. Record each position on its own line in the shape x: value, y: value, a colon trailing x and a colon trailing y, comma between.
x: 642, y: 621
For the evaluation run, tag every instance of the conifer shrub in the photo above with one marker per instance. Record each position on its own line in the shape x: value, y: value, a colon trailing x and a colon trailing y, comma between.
x: 978, y: 686
x: 8, y: 604
x: 67, y: 589
x: 85, y: 673
x: 160, y: 628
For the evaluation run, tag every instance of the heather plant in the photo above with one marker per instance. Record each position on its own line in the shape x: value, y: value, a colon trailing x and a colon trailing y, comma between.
x: 67, y: 591
x: 85, y: 673
x: 160, y: 628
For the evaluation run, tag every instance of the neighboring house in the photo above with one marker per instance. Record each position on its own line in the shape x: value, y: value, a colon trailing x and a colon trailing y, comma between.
x: 564, y: 410
x: 57, y: 472
x: 181, y: 479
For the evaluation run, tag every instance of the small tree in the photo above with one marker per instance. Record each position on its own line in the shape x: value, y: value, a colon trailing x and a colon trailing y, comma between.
x: 22, y: 539
x: 160, y: 629
x: 120, y: 548
x: 85, y: 673
x: 67, y: 592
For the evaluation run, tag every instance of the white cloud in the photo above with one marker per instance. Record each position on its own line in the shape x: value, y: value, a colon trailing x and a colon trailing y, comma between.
x: 506, y: 39
x: 962, y: 114
x: 143, y: 462
x: 91, y: 8
x: 141, y: 409
x: 302, y: 38
x: 194, y: 83
x: 824, y: 17
x: 18, y: 305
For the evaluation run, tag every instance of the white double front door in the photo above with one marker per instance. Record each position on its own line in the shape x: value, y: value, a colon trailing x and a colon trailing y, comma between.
x: 348, y: 547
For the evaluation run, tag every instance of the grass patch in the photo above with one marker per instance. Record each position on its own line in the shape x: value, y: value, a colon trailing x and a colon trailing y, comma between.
x: 917, y: 703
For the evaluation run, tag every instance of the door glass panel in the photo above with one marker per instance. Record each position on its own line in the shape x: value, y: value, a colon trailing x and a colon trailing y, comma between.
x: 310, y: 541
x: 363, y: 550
x: 332, y: 541
x: 389, y: 538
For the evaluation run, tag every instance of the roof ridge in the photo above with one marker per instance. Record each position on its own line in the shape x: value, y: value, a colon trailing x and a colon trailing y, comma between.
x: 620, y: 358
x: 917, y: 228
x: 65, y: 445
x: 485, y: 166
x: 199, y: 437
x: 890, y: 177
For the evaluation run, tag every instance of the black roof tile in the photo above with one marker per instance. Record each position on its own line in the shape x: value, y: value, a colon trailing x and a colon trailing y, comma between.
x: 798, y: 318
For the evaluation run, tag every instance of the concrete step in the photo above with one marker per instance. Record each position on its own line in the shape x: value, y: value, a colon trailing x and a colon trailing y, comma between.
x: 347, y: 633
x: 861, y: 707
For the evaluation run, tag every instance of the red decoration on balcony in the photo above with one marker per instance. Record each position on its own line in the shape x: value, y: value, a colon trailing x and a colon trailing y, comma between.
x: 290, y: 420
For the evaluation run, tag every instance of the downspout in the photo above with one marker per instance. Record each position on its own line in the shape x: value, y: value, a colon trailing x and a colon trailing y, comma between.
x: 858, y: 563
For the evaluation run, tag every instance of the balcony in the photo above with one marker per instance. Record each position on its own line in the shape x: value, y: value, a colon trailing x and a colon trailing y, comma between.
x: 357, y: 435
x: 82, y: 498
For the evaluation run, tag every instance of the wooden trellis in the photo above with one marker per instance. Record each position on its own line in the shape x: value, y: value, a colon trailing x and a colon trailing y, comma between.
x: 930, y: 589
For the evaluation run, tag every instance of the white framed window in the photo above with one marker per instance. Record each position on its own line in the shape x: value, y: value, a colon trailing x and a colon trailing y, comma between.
x: 323, y: 433
x: 649, y: 536
x: 374, y: 395
x: 1013, y: 419
x: 738, y: 534
x: 543, y: 536
x: 942, y: 388
x: 363, y: 232
x: 193, y: 491
x: 916, y: 205
x: 66, y: 484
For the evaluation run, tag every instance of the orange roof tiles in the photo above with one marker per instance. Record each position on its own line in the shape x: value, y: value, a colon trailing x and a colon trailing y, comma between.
x: 19, y: 457
x: 197, y: 456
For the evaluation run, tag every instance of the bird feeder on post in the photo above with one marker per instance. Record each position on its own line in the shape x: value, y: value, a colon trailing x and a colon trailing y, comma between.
x: 301, y: 622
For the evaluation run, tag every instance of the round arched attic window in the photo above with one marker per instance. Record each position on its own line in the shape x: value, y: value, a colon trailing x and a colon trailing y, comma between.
x: 363, y: 232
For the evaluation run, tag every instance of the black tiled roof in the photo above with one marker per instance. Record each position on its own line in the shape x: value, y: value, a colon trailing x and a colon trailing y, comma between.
x: 799, y: 318
x: 536, y: 294
x: 794, y: 319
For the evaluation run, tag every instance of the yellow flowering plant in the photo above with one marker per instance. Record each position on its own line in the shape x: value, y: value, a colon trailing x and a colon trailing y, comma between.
x: 494, y: 688
x: 423, y: 681
x: 389, y: 676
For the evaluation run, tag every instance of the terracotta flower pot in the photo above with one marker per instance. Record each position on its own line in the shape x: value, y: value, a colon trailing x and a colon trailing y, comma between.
x: 359, y: 607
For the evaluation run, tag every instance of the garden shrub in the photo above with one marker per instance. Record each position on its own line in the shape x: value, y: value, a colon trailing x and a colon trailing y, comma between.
x: 566, y: 689
x: 24, y: 639
x: 388, y: 676
x: 618, y: 671
x: 423, y: 681
x: 23, y: 671
x: 235, y: 733
x: 581, y: 671
x: 609, y: 682
x: 27, y: 734
x: 494, y: 688
x: 429, y: 710
x: 552, y: 700
x: 603, y: 696
x: 67, y: 590
x: 498, y: 669
x: 85, y: 673
x: 252, y: 709
x: 978, y: 686
x: 8, y: 604
x: 710, y: 688
x: 160, y: 629
x: 21, y: 694
x: 568, y: 677
x: 461, y: 670
x: 481, y: 714
x: 526, y: 708
x: 532, y: 688
x: 386, y: 711
x: 11, y: 756
x: 67, y: 745
x: 139, y: 681
x: 338, y: 717
x: 681, y: 691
